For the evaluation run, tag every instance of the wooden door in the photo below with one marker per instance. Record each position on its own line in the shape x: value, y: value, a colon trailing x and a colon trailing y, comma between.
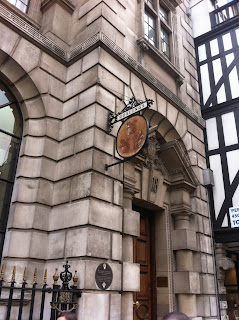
x: 144, y: 255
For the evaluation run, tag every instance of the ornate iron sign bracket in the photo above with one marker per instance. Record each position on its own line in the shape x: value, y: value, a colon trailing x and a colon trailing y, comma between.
x: 134, y: 106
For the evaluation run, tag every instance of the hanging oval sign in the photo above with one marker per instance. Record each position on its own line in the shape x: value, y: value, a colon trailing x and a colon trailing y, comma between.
x: 132, y: 136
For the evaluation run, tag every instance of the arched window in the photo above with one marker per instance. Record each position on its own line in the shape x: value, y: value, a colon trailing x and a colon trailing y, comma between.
x: 10, y: 140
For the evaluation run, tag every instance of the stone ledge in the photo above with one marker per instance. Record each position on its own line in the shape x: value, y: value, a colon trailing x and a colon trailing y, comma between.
x: 161, y: 59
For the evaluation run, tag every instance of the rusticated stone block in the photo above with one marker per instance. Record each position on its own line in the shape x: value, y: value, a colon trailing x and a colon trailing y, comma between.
x: 186, y: 282
x: 208, y: 283
x: 105, y: 215
x: 8, y: 39
x: 34, y: 108
x: 93, y: 306
x: 131, y: 277
x: 92, y: 184
x: 55, y: 245
x: 90, y: 60
x: 131, y: 222
x: 41, y: 80
x: 81, y: 83
x: 53, y: 67
x: 69, y: 215
x: 203, y: 306
x: 116, y: 253
x: 12, y: 70
x: 26, y: 54
x: 27, y: 88
x: 184, y: 239
x: 115, y: 306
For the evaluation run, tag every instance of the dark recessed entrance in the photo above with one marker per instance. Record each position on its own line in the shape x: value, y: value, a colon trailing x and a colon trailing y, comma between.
x: 144, y: 254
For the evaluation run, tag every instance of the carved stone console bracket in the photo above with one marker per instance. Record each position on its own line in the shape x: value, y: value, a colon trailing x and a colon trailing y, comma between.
x: 223, y: 263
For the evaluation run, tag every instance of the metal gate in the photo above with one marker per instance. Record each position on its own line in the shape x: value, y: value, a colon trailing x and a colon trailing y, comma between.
x: 24, y: 302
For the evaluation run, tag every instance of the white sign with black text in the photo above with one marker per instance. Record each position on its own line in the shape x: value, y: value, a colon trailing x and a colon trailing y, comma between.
x: 234, y: 216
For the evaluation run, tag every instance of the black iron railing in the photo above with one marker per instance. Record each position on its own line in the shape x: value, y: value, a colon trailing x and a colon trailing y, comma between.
x: 63, y: 297
x: 224, y: 13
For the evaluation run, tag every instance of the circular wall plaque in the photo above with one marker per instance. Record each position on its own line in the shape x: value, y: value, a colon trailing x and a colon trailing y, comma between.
x: 132, y: 136
x: 103, y: 276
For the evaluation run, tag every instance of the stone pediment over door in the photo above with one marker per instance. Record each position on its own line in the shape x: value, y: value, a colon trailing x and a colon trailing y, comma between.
x: 160, y: 166
x: 177, y: 164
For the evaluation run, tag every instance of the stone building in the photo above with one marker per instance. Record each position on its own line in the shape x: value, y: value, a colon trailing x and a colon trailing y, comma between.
x: 64, y: 65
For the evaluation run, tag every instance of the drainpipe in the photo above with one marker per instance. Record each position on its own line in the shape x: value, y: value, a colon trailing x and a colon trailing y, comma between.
x: 209, y: 183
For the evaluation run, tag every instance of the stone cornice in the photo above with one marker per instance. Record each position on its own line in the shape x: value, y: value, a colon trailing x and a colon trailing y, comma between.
x: 99, y: 39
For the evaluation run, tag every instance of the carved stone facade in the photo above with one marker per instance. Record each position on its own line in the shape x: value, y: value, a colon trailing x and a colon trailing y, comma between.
x: 67, y: 77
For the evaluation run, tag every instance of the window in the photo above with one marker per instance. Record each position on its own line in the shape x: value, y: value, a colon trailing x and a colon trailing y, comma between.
x: 165, y: 46
x: 163, y: 14
x: 150, y: 2
x: 10, y: 139
x: 157, y: 26
x: 149, y: 28
x: 20, y: 4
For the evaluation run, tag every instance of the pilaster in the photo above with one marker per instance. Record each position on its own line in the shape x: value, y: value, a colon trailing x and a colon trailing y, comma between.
x: 186, y: 280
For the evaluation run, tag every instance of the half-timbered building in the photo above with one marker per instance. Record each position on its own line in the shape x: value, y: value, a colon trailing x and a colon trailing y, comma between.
x: 217, y: 50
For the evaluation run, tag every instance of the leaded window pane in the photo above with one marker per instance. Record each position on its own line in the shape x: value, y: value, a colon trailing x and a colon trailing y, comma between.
x: 9, y: 147
x: 150, y: 32
x: 20, y: 4
x: 5, y: 197
x: 165, y: 43
x: 163, y: 14
x: 9, y: 120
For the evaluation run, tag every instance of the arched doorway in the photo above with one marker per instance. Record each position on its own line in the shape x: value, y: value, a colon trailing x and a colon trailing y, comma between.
x: 161, y: 181
x: 10, y: 140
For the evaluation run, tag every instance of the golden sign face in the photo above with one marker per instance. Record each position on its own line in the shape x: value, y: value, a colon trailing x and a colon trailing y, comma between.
x: 132, y: 136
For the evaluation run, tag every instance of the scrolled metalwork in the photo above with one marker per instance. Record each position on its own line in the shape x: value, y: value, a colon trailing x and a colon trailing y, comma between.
x: 66, y: 276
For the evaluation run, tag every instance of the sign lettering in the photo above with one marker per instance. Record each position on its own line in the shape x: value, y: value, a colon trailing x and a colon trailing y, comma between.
x: 136, y: 109
x: 234, y: 217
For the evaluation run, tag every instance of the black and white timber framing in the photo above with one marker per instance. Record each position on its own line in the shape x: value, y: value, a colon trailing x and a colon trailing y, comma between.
x: 218, y: 68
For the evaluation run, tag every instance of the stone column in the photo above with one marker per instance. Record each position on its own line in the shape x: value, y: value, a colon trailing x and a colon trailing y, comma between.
x: 186, y: 281
x: 223, y: 263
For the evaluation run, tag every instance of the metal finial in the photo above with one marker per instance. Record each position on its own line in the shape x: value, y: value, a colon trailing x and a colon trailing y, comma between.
x: 75, y: 279
x: 66, y: 276
x: 45, y: 277
x: 35, y: 276
x: 56, y: 277
x: 2, y: 272
x: 13, y: 274
x: 24, y: 278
